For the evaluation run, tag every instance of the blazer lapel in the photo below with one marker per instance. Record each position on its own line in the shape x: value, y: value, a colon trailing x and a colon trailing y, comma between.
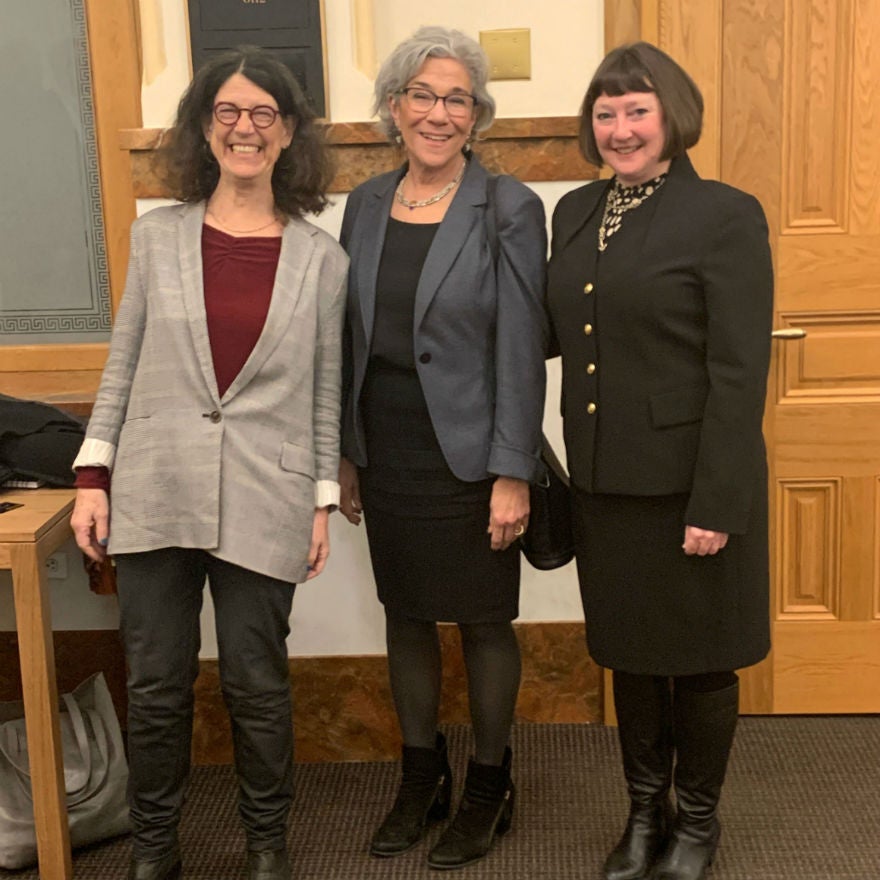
x: 672, y: 201
x: 459, y: 223
x: 193, y: 285
x: 371, y: 237
x: 590, y: 199
x: 297, y: 245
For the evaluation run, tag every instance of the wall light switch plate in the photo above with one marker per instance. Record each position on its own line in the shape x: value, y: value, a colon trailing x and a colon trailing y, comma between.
x: 509, y: 51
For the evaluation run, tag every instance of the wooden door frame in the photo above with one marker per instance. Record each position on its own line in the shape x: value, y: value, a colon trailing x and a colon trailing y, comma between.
x: 71, y: 371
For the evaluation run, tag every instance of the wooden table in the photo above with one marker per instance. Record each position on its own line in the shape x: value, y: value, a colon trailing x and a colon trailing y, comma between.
x: 28, y: 535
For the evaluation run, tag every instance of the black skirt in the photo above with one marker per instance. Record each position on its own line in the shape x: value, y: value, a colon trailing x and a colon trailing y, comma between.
x: 652, y: 610
x: 427, y: 530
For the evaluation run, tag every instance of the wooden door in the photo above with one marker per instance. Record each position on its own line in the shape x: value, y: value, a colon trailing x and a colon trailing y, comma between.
x: 793, y: 116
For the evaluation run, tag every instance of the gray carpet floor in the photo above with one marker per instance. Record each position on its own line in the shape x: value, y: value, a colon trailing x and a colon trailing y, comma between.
x: 802, y: 802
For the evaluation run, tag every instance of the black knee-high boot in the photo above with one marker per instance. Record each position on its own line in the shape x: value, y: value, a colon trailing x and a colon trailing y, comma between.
x: 644, y: 716
x: 424, y: 796
x: 704, y: 729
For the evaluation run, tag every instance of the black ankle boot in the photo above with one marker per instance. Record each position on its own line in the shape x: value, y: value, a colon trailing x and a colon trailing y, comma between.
x: 704, y: 728
x: 644, y: 714
x: 167, y: 867
x: 485, y: 812
x: 423, y: 797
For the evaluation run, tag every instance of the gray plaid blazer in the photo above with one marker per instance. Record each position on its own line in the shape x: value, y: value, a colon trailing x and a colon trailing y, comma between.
x: 240, y: 475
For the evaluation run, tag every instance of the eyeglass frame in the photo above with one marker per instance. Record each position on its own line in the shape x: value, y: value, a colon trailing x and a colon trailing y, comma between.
x: 249, y: 111
x: 404, y: 91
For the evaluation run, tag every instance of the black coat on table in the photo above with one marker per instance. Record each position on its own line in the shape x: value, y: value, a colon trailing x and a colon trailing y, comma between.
x: 665, y: 343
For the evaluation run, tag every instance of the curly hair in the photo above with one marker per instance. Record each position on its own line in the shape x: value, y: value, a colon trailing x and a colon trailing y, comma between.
x: 304, y: 169
x: 642, y: 67
x: 405, y: 61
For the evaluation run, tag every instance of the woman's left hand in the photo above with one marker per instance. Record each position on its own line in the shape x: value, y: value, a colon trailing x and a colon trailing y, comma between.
x: 508, y: 511
x: 703, y: 542
x: 320, y: 549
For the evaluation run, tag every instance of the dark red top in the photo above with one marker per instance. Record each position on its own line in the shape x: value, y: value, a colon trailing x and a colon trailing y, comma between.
x: 239, y: 274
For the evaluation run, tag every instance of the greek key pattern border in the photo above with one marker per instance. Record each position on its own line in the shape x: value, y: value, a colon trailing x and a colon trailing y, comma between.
x: 97, y: 317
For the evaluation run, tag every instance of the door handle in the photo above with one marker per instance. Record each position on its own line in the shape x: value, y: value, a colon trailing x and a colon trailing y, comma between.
x: 789, y: 333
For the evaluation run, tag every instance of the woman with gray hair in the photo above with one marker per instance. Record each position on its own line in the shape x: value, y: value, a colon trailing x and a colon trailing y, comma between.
x: 443, y: 388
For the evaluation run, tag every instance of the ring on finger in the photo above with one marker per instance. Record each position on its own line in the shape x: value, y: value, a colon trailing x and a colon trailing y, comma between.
x: 520, y: 530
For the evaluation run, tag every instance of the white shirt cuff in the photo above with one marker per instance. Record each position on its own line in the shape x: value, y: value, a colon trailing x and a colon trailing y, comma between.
x: 326, y: 493
x: 95, y: 453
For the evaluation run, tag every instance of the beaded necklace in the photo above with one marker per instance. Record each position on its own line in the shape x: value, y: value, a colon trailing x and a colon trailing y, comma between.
x: 622, y: 199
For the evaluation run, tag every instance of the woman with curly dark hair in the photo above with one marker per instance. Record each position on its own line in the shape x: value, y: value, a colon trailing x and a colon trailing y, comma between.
x: 217, y: 426
x: 301, y: 172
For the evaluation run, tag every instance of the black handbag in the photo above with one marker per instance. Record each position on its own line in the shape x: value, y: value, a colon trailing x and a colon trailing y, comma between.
x: 548, y: 542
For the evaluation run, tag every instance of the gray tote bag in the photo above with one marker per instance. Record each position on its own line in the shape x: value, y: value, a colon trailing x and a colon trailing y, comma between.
x: 95, y: 773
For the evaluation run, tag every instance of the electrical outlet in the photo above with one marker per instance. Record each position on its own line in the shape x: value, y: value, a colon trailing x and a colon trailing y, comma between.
x: 56, y: 566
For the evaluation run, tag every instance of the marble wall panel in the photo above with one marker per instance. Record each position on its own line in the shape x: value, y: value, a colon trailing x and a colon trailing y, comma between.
x: 343, y: 709
x: 342, y: 705
x: 539, y: 149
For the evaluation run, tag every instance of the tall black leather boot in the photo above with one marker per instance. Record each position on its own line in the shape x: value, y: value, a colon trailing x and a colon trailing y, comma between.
x: 644, y: 716
x: 168, y: 867
x: 704, y: 728
x: 485, y: 812
x: 423, y: 797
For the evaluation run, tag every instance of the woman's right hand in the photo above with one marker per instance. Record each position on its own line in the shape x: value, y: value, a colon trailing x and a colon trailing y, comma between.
x: 90, y: 522
x: 349, y: 491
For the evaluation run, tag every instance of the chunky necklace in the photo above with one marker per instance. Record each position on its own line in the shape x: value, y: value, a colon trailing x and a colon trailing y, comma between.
x: 411, y: 203
x: 622, y: 199
x: 226, y: 228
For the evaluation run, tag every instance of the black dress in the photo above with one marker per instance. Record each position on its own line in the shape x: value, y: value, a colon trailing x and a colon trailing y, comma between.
x: 427, y: 530
x: 650, y: 609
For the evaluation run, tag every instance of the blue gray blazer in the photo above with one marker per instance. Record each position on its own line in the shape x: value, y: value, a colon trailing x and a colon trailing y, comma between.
x: 480, y: 327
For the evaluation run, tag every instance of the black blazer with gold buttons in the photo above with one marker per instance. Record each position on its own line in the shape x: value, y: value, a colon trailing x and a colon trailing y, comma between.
x: 665, y: 346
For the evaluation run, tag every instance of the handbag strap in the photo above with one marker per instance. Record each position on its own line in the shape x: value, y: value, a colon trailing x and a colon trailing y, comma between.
x: 13, y: 745
x: 491, y: 220
x: 77, y: 757
x: 78, y: 753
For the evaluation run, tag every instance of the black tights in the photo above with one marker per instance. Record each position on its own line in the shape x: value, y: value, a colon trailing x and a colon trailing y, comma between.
x: 492, y: 662
x: 702, y: 683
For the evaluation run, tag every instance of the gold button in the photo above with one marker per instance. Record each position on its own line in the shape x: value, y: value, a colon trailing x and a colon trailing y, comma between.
x: 588, y: 329
x: 591, y: 368
x: 591, y: 408
x: 588, y: 287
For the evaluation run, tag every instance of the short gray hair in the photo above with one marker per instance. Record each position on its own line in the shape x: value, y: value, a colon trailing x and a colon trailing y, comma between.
x: 433, y: 41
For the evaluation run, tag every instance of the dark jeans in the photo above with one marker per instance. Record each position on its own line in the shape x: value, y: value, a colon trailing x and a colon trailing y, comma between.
x: 160, y: 599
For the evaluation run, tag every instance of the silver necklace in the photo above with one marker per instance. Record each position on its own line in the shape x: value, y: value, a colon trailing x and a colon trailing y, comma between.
x: 412, y: 203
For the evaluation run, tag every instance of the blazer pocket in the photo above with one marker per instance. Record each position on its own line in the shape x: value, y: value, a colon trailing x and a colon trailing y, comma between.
x: 297, y: 459
x: 680, y: 407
